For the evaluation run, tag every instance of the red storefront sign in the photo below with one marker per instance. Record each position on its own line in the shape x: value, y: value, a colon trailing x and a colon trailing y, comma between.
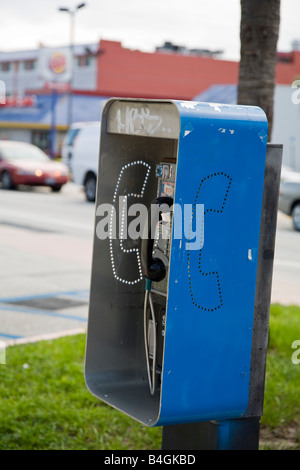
x: 19, y: 101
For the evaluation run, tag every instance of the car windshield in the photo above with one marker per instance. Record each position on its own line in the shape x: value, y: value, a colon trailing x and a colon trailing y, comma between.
x: 71, y: 136
x: 23, y: 152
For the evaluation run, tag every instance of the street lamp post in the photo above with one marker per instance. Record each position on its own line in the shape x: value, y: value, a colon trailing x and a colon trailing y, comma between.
x: 72, y: 18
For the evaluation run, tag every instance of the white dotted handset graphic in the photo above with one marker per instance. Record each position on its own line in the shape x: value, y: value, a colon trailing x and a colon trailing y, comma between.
x: 129, y: 189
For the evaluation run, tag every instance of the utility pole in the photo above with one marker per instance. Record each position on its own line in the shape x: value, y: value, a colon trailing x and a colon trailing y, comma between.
x: 71, y: 45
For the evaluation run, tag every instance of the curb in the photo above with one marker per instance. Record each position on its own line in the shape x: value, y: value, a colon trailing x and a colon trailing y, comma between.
x: 45, y: 337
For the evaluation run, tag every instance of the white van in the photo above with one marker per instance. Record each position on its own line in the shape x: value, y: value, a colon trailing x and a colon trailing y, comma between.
x: 80, y: 152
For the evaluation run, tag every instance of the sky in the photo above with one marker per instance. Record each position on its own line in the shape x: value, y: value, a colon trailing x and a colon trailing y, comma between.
x: 137, y: 24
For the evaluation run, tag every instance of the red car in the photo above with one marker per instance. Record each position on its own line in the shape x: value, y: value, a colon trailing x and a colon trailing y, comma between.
x: 22, y: 163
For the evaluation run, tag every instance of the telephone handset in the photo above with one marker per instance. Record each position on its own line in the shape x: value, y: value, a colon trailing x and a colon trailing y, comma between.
x: 154, y: 270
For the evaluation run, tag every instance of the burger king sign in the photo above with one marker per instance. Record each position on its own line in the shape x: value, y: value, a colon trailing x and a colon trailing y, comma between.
x: 55, y: 65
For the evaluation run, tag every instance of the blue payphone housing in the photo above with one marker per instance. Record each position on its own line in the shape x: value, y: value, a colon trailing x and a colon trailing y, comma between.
x: 196, y: 154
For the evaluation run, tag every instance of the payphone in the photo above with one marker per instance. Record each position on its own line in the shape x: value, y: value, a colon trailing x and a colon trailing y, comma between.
x: 155, y: 256
x: 175, y: 249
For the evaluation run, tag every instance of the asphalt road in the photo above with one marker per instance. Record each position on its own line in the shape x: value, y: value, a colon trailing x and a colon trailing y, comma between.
x: 46, y: 252
x: 286, y: 272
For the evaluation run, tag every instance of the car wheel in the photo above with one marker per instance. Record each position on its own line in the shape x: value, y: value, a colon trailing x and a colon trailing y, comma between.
x: 56, y: 188
x: 296, y: 216
x: 6, y: 180
x: 90, y: 187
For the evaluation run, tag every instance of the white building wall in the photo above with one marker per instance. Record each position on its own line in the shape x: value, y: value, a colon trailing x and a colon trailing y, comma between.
x: 20, y: 135
x: 18, y: 80
x: 85, y: 78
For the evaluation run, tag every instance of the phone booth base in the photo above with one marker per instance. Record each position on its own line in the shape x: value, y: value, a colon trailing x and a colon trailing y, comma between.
x: 210, y: 159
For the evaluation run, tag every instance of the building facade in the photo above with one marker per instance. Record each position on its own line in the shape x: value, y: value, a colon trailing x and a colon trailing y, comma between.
x: 37, y: 92
x: 26, y: 70
x: 48, y: 88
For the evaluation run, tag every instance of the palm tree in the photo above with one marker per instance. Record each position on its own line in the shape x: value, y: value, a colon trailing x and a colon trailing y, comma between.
x: 259, y: 31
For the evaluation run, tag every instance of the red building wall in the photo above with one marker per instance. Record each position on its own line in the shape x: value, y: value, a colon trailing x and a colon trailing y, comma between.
x: 287, y: 72
x: 125, y: 72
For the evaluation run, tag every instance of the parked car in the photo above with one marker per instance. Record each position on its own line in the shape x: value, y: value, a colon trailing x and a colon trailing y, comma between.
x: 80, y: 152
x: 289, y: 195
x: 25, y: 164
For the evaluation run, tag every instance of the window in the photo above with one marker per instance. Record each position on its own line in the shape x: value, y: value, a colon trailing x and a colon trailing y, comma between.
x: 84, y: 61
x: 5, y: 66
x: 29, y: 64
x: 40, y: 138
x: 71, y: 136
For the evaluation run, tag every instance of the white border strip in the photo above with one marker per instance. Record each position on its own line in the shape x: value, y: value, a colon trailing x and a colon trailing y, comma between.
x: 45, y: 337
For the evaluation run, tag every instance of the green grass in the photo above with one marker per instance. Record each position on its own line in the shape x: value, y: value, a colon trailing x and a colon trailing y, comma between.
x: 44, y: 402
x: 282, y: 391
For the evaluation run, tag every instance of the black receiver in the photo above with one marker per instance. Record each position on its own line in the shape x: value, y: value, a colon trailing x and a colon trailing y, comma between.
x: 154, y: 268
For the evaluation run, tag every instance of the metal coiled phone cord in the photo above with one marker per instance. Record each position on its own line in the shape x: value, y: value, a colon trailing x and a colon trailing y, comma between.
x: 148, y: 299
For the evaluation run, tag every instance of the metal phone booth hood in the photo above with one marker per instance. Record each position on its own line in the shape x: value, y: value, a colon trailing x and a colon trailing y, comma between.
x: 184, y: 355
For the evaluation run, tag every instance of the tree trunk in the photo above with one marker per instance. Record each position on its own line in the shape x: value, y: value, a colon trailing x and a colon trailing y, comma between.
x: 259, y: 31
